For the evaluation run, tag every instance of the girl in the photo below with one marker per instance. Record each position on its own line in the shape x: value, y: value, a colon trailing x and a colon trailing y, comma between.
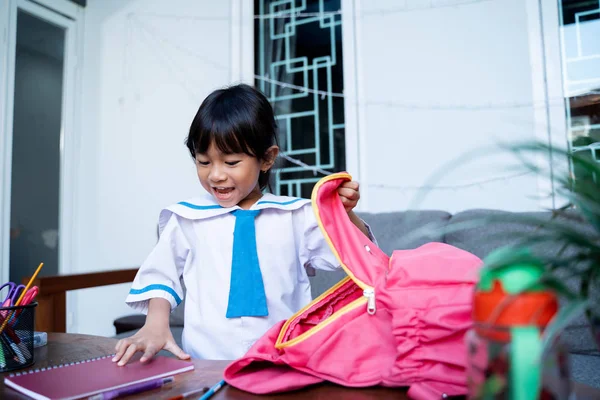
x: 241, y: 253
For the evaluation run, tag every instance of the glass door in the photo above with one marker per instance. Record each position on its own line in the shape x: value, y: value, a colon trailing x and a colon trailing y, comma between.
x: 40, y: 75
x: 580, y: 43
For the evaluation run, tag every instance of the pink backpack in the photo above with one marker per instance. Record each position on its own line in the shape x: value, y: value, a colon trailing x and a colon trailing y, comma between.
x: 395, y: 322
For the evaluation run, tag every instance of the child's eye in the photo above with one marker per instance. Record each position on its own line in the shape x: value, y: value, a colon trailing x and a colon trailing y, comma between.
x: 202, y: 162
x: 232, y: 163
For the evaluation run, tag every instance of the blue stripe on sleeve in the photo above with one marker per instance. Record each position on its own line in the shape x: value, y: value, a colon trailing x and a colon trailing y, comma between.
x: 157, y: 287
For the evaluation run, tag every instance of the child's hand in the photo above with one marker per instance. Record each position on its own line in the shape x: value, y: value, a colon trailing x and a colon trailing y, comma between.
x: 150, y: 340
x: 349, y: 194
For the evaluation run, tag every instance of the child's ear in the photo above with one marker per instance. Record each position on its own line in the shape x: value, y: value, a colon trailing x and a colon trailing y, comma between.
x: 269, y: 158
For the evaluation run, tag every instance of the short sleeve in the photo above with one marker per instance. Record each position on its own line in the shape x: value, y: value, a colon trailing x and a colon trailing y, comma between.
x: 371, y: 236
x: 315, y: 251
x: 160, y: 274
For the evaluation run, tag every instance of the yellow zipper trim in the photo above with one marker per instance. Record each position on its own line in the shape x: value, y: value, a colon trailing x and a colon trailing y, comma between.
x: 279, y: 344
x: 360, y: 302
x: 327, y: 238
x: 287, y: 323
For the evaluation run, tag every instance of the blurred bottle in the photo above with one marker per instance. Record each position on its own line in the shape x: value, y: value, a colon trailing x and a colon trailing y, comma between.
x: 506, y: 359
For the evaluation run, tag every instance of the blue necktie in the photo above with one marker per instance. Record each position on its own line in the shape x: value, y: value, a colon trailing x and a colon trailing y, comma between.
x: 246, y: 290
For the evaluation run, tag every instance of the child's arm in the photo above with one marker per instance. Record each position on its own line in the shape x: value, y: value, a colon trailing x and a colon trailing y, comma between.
x: 359, y: 223
x: 315, y: 251
x: 154, y: 336
x: 156, y: 291
x: 349, y: 193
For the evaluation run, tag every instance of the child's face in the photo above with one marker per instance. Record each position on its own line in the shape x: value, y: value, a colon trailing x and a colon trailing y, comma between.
x: 232, y: 179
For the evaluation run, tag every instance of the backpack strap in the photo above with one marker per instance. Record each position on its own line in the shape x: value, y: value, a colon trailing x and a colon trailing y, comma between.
x: 362, y: 260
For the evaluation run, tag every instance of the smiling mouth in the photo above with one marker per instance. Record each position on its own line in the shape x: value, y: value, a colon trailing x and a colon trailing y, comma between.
x: 222, y: 193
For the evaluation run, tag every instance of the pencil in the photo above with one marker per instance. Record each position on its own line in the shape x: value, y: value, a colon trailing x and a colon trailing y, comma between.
x: 35, y: 274
x: 190, y: 393
x: 212, y: 390
x: 37, y: 271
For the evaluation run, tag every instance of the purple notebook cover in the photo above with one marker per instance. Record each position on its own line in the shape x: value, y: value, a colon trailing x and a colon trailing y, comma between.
x: 89, y: 377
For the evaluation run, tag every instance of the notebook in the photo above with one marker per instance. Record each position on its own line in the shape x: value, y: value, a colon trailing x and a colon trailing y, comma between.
x: 93, y: 376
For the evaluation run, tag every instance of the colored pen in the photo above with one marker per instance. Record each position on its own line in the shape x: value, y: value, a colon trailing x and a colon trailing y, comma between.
x: 2, y: 359
x: 190, y: 393
x: 9, y: 330
x: 17, y: 352
x: 212, y: 390
x: 132, y: 389
x: 8, y: 348
x: 18, y: 303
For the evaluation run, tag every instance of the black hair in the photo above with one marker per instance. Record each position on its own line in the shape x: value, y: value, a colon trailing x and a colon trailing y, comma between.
x: 238, y: 119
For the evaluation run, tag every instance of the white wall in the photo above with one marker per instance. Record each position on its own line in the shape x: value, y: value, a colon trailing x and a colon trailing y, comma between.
x: 476, y: 54
x: 147, y: 66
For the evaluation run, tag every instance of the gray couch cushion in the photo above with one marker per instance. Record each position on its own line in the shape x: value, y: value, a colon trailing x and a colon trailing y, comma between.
x: 483, y: 238
x: 585, y: 369
x: 323, y: 280
x: 396, y: 230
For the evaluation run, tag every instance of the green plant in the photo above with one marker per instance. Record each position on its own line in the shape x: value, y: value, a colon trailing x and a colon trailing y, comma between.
x: 577, y: 255
x: 578, y: 251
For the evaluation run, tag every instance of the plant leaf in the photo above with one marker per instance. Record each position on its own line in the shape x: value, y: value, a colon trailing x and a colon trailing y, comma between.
x: 564, y: 317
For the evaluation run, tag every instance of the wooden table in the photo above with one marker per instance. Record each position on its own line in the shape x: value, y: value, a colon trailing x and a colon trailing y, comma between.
x: 64, y: 348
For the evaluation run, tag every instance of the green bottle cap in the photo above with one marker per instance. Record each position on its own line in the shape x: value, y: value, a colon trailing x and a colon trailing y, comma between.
x: 516, y: 269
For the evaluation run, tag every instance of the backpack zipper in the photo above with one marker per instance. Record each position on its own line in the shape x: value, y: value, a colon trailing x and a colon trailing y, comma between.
x: 369, y: 293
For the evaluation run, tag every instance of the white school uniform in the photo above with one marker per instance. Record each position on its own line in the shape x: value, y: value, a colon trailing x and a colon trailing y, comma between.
x: 196, y: 243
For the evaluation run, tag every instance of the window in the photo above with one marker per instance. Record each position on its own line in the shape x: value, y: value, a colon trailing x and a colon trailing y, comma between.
x: 298, y: 64
x: 580, y: 36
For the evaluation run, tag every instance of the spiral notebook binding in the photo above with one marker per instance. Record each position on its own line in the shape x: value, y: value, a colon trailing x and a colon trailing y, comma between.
x: 35, y: 371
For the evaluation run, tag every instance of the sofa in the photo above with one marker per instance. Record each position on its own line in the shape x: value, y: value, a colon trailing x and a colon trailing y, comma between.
x: 410, y: 229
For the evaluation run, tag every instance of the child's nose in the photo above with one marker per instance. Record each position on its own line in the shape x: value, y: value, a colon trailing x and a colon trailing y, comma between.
x: 217, y: 174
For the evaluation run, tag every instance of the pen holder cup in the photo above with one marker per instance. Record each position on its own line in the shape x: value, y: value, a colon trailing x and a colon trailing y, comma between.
x: 16, y: 337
